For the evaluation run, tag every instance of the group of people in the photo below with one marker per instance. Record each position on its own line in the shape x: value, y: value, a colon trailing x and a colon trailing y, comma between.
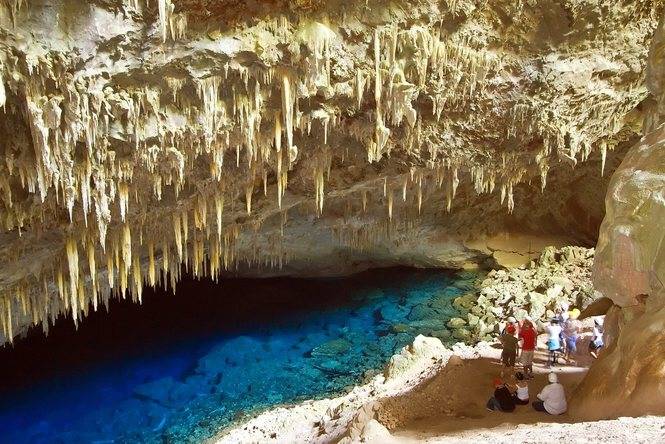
x: 563, y: 333
x: 551, y: 400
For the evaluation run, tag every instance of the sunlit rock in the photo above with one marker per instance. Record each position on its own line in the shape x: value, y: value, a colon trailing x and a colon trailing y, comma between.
x: 300, y: 137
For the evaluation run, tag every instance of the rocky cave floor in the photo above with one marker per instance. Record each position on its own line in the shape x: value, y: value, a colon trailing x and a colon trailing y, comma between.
x: 433, y: 393
x: 445, y: 402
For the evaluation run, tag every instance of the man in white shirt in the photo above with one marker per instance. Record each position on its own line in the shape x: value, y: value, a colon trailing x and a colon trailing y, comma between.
x: 552, y: 397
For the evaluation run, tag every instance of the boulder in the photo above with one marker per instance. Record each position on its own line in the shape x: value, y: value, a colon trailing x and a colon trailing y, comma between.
x: 422, y: 349
x: 157, y: 391
x: 473, y: 319
x: 554, y: 291
x: 332, y: 348
x: 428, y: 324
x: 456, y: 323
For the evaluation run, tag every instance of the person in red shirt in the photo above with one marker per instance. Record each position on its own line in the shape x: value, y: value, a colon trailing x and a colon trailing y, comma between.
x: 528, y: 335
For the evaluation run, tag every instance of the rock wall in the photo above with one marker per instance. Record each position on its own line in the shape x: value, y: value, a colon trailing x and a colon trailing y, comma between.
x: 300, y: 137
x: 629, y: 376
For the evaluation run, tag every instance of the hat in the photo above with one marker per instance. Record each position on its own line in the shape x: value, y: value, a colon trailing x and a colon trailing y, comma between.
x: 512, y: 319
x: 552, y: 377
x: 574, y: 313
x: 497, y: 382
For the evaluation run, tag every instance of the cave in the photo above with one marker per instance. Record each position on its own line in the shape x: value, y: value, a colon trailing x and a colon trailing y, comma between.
x: 327, y: 221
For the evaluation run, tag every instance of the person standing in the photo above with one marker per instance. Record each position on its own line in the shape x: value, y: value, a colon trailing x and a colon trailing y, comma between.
x: 554, y: 334
x: 571, y: 329
x: 597, y: 340
x: 528, y: 337
x: 509, y: 353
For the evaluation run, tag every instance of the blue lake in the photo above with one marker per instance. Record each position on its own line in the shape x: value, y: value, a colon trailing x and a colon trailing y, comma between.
x: 180, y: 368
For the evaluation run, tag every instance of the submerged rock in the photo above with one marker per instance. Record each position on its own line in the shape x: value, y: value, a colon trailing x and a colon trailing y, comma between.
x: 332, y: 348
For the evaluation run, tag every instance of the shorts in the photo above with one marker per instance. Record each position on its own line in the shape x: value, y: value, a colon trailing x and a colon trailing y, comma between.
x: 527, y: 357
x: 571, y: 344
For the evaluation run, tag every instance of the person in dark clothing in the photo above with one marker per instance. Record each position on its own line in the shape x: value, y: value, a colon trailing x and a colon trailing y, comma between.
x: 509, y: 353
x: 502, y: 400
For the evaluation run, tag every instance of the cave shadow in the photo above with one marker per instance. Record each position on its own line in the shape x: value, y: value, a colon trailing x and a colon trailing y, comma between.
x: 470, y: 385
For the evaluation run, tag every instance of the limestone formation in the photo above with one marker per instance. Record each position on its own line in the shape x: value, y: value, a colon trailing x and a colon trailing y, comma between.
x: 559, y: 278
x: 302, y: 136
x: 630, y: 270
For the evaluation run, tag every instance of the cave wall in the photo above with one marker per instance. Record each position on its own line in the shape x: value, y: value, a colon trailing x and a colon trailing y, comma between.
x: 300, y: 137
x: 629, y: 376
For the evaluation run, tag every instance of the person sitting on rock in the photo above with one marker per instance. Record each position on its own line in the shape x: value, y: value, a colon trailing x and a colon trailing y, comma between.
x: 502, y: 400
x: 554, y: 334
x: 528, y: 337
x: 509, y: 353
x: 596, y: 340
x: 552, y: 399
x: 521, y: 395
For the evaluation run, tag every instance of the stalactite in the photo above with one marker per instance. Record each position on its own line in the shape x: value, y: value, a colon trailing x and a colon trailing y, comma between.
x: 319, y: 189
x: 287, y: 111
x: 404, y: 185
x: 390, y: 204
x: 420, y: 193
x: 249, y: 190
x: 177, y: 231
x: 165, y: 8
x: 151, y: 264
x: 126, y: 247
x: 92, y: 267
x: 73, y: 261
x: 137, y: 290
x: 3, y: 94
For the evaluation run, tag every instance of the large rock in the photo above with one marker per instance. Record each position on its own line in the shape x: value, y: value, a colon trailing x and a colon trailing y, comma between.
x: 332, y: 348
x: 627, y: 379
x: 420, y: 351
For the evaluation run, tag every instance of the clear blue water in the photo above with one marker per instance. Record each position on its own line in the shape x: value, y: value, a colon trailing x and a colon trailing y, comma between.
x: 181, y: 368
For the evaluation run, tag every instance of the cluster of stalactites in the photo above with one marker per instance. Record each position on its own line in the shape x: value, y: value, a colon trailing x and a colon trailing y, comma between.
x: 232, y: 116
x: 132, y: 260
x: 573, y: 141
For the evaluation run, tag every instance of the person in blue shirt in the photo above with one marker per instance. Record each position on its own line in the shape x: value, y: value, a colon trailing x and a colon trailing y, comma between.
x: 554, y: 333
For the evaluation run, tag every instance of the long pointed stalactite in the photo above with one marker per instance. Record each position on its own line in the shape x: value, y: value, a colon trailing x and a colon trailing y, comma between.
x: 200, y: 162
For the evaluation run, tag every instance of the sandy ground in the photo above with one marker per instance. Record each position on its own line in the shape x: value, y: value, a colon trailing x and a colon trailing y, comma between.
x: 441, y: 398
x: 468, y: 386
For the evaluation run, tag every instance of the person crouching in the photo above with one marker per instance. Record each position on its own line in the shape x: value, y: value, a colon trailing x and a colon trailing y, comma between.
x: 502, y: 400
